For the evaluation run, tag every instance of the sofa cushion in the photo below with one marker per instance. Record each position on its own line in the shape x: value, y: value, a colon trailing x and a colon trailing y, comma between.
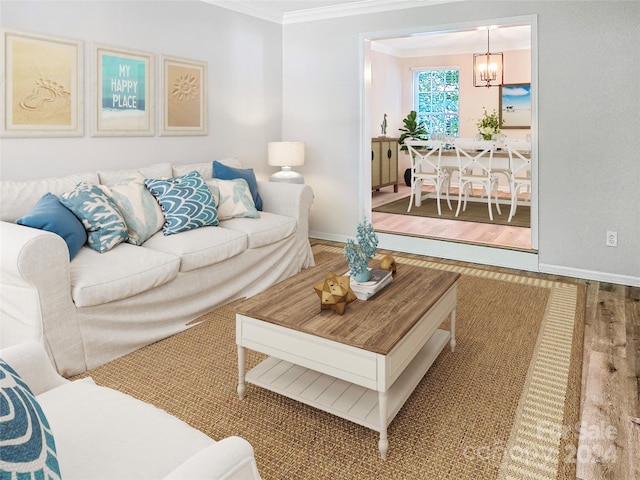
x: 186, y: 202
x: 28, y: 445
x: 140, y: 210
x: 102, y: 220
x: 159, y: 170
x: 224, y: 172
x: 50, y: 215
x: 204, y: 169
x: 270, y: 229
x: 120, y: 273
x: 200, y: 247
x: 233, y: 198
x: 17, y: 198
x: 103, y: 433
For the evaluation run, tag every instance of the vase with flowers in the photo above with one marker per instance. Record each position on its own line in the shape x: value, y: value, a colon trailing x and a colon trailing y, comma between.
x: 489, y: 125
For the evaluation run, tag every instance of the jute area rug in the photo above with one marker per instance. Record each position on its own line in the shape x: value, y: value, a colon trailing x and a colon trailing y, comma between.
x: 503, y: 406
x: 475, y: 212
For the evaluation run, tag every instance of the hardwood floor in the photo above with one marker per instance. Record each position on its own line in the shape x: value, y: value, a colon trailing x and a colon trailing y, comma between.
x: 609, y: 447
x: 454, y: 230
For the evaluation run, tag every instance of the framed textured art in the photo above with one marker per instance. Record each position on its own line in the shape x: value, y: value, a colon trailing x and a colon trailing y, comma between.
x: 43, y: 85
x: 122, y: 92
x: 183, y: 97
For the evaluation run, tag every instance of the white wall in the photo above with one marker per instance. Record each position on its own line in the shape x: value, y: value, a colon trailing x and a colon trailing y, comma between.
x: 244, y: 56
x: 589, y: 173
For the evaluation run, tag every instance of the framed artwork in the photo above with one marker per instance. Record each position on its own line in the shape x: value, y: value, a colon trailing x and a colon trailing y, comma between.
x: 515, y: 105
x: 183, y: 97
x: 122, y: 92
x: 43, y: 86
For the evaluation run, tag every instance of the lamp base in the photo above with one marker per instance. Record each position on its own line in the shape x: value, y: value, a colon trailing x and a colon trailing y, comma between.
x: 286, y: 175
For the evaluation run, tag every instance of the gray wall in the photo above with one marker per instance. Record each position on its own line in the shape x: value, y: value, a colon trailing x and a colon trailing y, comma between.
x: 588, y: 164
x: 304, y: 82
x: 244, y: 57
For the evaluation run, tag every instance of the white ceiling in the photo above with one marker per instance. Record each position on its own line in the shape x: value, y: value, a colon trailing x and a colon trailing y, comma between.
x: 432, y: 43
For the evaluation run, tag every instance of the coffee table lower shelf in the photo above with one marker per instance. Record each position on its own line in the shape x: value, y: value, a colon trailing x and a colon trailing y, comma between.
x: 352, y: 402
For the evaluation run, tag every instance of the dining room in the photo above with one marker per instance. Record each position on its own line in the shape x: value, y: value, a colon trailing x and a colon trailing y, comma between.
x: 471, y: 83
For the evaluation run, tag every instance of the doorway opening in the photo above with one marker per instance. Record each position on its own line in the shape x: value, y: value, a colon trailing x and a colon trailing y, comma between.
x: 390, y: 58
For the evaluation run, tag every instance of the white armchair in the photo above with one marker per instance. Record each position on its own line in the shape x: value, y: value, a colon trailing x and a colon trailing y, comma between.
x: 101, y: 433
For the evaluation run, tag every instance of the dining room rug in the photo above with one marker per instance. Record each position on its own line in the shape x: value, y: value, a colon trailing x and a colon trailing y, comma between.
x: 475, y: 212
x: 503, y: 405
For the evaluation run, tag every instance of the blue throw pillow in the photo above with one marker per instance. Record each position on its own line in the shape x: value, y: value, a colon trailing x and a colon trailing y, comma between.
x: 224, y: 172
x: 102, y: 220
x: 186, y: 202
x: 28, y: 448
x: 50, y: 215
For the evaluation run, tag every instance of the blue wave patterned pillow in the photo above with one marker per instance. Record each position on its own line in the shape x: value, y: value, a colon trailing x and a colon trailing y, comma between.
x: 186, y: 202
x: 101, y: 219
x: 27, y: 447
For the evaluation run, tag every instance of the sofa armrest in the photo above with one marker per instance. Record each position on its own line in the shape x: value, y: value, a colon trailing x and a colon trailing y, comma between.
x: 230, y: 458
x: 31, y: 362
x: 35, y: 295
x: 292, y: 200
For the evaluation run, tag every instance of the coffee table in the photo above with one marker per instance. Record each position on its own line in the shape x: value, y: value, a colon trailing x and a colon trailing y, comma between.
x: 361, y: 366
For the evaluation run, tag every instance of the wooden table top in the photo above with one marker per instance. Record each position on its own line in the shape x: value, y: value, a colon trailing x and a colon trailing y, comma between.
x: 375, y: 325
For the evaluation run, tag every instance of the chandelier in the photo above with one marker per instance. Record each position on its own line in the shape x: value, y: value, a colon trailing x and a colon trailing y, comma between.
x: 488, y: 68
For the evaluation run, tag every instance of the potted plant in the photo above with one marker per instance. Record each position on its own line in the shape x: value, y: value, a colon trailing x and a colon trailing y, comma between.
x: 489, y: 125
x: 413, y: 129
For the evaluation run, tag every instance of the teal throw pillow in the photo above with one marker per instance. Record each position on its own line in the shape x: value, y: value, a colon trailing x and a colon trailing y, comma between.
x: 102, y: 220
x: 50, y: 215
x: 224, y: 172
x: 186, y: 202
x: 28, y: 449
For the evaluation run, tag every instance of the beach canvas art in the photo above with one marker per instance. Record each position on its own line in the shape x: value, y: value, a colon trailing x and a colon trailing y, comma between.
x: 515, y: 105
x: 43, y: 81
x: 123, y: 93
x: 183, y: 99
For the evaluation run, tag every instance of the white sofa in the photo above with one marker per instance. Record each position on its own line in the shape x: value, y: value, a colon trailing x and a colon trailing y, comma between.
x: 100, y: 306
x: 100, y: 433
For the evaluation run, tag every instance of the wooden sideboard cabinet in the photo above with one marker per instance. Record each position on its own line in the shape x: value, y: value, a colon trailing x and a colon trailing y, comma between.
x: 384, y: 163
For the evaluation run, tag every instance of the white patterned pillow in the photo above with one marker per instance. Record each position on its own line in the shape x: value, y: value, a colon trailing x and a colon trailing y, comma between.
x: 28, y: 446
x: 233, y: 198
x: 140, y: 210
x: 186, y: 202
x: 101, y: 219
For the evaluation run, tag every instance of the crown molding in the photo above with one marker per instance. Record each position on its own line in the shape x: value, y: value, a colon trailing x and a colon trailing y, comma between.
x: 360, y: 7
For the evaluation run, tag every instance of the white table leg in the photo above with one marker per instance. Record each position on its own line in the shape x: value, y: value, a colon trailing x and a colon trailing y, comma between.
x: 452, y: 341
x: 383, y: 443
x: 242, y: 388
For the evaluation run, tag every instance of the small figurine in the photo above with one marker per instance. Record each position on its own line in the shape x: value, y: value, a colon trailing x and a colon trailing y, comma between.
x: 335, y: 293
x: 388, y: 263
x: 383, y: 126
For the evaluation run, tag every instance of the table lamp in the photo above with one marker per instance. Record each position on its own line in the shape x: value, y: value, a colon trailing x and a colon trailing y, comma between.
x: 286, y: 155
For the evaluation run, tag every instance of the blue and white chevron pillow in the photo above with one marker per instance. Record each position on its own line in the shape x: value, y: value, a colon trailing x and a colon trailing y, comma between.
x: 186, y: 202
x: 27, y: 447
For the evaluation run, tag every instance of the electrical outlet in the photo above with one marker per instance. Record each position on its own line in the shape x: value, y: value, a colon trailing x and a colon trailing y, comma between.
x: 612, y: 239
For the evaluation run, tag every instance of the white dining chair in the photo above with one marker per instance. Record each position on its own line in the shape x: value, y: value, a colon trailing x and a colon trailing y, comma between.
x: 425, y: 167
x: 519, y: 171
x: 474, y: 167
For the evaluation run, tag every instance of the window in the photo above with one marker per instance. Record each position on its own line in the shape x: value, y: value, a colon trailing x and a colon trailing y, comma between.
x: 437, y: 99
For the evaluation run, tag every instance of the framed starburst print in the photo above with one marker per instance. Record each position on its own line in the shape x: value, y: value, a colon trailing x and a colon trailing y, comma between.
x: 43, y: 88
x: 183, y: 102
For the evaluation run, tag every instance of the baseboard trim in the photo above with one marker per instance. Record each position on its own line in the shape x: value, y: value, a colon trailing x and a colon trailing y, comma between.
x: 494, y: 256
x: 590, y: 274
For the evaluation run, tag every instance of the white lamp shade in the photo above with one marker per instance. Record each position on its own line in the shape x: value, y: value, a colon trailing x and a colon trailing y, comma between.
x: 285, y: 154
